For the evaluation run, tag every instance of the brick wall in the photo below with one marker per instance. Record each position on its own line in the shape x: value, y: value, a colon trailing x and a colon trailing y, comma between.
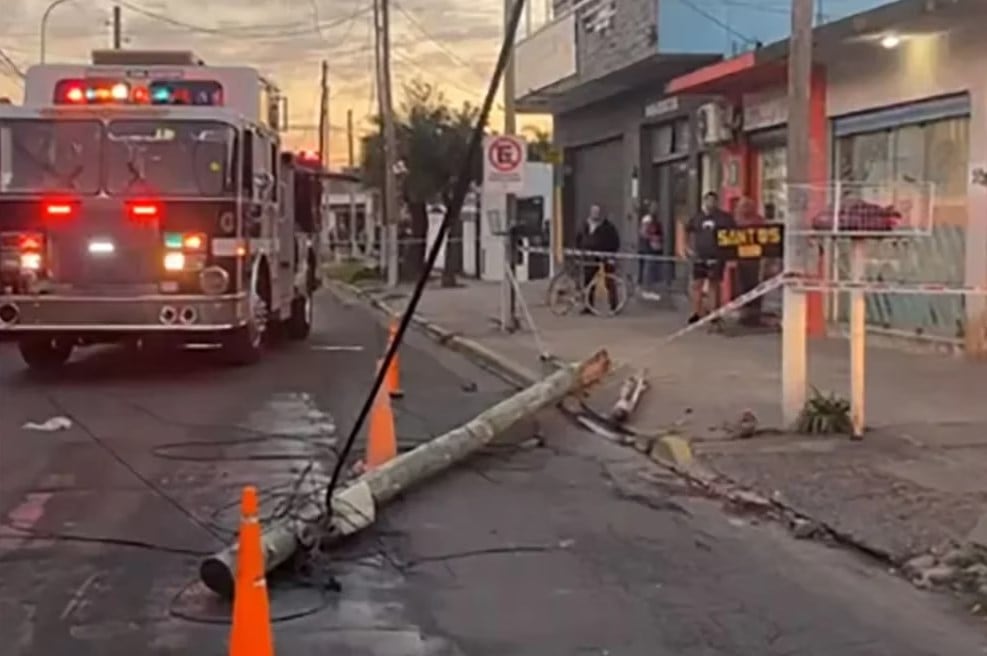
x: 629, y: 36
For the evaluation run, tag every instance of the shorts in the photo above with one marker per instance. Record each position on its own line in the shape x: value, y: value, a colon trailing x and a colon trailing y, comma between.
x: 707, y: 270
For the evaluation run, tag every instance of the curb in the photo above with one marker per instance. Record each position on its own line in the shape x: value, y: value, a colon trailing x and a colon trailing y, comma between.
x: 489, y: 359
x: 669, y: 451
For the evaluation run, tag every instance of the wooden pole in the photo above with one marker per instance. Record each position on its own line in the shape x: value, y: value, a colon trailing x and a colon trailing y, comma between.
x: 391, y: 208
x: 351, y: 157
x: 354, y: 507
x: 324, y: 113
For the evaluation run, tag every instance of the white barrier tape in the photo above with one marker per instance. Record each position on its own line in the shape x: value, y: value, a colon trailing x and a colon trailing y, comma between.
x: 884, y: 287
x: 619, y: 255
x: 765, y: 287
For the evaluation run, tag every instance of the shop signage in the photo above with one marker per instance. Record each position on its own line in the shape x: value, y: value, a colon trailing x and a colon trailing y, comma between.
x: 762, y: 112
x: 663, y: 106
x: 750, y: 243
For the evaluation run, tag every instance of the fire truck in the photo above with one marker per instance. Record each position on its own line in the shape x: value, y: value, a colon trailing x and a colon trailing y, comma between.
x: 145, y: 198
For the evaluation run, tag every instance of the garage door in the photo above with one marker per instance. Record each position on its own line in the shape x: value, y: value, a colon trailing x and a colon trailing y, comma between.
x: 596, y: 179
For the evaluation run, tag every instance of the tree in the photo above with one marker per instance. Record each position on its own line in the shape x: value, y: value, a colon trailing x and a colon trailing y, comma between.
x: 539, y: 144
x: 432, y: 141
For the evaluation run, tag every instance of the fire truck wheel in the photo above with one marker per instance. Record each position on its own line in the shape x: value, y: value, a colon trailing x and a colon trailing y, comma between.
x: 299, y: 324
x: 44, y: 353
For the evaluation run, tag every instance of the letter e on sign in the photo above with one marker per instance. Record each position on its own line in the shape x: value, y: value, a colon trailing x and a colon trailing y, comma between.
x: 504, y: 159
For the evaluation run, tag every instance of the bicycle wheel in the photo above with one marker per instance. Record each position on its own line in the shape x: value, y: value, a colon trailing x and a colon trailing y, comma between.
x: 563, y: 294
x: 601, y: 302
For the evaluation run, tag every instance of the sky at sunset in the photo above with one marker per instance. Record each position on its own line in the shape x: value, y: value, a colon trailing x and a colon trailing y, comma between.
x: 452, y: 43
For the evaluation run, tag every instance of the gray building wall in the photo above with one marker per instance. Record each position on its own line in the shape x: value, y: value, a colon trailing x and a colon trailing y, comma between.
x: 623, y: 117
x: 630, y: 36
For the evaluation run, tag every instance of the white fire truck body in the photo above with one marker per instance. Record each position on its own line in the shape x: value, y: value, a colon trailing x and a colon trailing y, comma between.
x: 146, y: 197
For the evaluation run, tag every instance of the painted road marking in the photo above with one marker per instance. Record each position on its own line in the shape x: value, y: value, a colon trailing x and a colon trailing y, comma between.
x: 78, y: 596
x: 14, y: 533
x: 329, y: 347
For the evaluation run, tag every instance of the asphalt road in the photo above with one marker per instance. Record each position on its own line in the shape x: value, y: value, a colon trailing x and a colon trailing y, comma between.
x: 572, y: 547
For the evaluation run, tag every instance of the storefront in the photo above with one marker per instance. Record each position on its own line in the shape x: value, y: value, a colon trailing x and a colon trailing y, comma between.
x: 898, y: 98
x: 669, y: 162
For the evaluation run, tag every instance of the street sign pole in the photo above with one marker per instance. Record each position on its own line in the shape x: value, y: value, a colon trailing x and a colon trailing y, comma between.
x: 503, y: 173
x: 509, y: 320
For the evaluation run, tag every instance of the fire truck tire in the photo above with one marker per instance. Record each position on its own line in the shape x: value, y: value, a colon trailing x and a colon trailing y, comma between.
x: 44, y: 353
x: 299, y: 324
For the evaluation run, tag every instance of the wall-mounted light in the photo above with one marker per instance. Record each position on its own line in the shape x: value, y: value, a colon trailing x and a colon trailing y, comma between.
x: 891, y: 41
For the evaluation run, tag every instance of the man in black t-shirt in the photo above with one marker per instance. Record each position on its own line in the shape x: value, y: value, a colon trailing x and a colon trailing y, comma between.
x: 701, y: 240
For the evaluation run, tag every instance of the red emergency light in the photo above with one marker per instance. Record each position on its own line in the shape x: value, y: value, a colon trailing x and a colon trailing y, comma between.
x: 56, y: 209
x: 311, y: 156
x: 144, y: 211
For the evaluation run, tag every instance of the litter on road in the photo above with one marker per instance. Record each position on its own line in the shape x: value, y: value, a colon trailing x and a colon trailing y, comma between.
x: 50, y: 425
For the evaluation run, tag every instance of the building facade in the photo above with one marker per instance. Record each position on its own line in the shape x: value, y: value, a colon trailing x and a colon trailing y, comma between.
x: 897, y: 96
x: 601, y: 69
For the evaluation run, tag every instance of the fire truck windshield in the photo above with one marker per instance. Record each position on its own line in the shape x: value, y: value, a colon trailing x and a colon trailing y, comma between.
x: 45, y: 156
x: 170, y: 158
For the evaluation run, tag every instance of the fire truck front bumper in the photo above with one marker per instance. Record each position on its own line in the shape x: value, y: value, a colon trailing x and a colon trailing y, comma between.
x: 142, y: 314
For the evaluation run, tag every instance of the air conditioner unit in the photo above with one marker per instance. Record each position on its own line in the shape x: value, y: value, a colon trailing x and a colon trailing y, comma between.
x: 716, y: 124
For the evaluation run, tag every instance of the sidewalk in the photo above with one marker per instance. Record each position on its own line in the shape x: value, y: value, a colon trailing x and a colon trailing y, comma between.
x: 915, y: 482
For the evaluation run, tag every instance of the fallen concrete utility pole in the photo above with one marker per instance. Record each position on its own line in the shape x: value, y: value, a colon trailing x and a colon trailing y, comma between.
x: 354, y: 507
x: 630, y: 396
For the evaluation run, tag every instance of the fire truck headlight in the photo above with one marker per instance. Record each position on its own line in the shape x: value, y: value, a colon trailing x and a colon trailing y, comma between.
x: 214, y: 280
x: 174, y: 261
x: 31, y: 261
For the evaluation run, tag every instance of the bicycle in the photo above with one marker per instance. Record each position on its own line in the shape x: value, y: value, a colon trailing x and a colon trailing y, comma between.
x: 566, y: 290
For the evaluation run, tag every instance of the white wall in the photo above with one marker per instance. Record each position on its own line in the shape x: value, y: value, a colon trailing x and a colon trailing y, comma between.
x: 538, y: 180
x: 867, y: 76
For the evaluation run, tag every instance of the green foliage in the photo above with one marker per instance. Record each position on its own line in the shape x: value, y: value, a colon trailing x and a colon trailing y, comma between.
x: 432, y: 140
x: 539, y: 144
x: 825, y: 414
x: 350, y: 271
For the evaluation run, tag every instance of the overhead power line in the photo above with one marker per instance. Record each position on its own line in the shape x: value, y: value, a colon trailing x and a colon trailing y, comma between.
x: 444, y: 48
x: 11, y: 64
x: 253, y: 31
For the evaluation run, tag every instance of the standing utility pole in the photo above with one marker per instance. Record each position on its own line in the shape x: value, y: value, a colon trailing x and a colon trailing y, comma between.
x: 391, y: 208
x: 794, y: 348
x: 324, y: 115
x: 352, y: 161
x: 117, y: 28
x: 508, y: 320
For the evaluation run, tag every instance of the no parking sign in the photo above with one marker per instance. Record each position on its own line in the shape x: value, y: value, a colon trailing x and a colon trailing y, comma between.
x: 503, y: 164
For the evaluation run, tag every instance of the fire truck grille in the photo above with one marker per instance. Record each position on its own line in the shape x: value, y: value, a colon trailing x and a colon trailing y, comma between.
x: 105, y: 261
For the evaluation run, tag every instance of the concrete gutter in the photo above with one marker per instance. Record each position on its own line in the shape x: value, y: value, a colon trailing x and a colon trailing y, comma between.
x: 488, y: 358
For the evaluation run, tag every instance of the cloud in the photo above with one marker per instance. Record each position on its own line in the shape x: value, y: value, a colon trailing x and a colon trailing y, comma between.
x: 286, y: 39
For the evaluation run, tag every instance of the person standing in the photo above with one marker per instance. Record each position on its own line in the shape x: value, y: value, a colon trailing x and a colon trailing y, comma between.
x: 649, y: 244
x: 598, y: 236
x: 701, y: 248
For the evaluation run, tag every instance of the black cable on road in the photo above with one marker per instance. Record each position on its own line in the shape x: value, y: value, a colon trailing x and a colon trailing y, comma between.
x: 458, y: 196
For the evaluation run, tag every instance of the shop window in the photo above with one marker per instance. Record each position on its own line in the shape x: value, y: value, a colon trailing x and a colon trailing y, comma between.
x: 682, y: 136
x: 773, y: 174
x: 947, y: 145
x: 937, y: 152
x: 710, y: 173
x: 670, y: 139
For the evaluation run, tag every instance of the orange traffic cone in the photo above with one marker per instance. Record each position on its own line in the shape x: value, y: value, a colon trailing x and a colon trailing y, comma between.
x: 393, y: 379
x: 382, y: 442
x: 251, y: 634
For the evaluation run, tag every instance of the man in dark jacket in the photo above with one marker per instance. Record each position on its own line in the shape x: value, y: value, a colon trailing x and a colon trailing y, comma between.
x: 598, y: 235
x: 707, y: 269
